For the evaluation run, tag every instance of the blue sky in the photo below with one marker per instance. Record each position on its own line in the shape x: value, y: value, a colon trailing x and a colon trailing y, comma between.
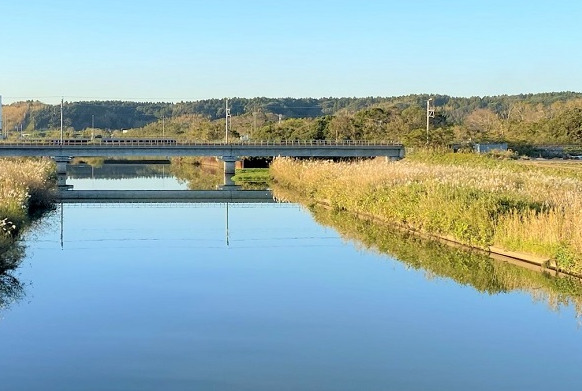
x: 175, y: 50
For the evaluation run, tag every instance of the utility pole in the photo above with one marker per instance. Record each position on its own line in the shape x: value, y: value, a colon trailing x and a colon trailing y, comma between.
x: 254, y: 124
x: 163, y: 126
x: 227, y: 119
x: 1, y: 120
x: 429, y: 115
x: 61, y: 121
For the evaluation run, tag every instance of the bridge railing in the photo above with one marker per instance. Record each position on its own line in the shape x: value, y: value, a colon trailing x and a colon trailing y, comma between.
x: 137, y: 142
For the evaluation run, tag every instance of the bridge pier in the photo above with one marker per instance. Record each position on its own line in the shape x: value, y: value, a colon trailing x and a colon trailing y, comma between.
x: 62, y: 162
x: 229, y: 171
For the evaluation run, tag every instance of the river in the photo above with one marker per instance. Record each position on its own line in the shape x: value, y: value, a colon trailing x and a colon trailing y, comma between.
x: 215, y: 296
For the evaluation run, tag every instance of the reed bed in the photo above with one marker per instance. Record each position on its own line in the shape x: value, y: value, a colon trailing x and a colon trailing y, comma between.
x: 24, y: 188
x: 477, y: 201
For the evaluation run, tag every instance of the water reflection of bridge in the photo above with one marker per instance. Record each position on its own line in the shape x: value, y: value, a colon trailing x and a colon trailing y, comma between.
x: 120, y: 169
x: 108, y: 198
x: 165, y: 196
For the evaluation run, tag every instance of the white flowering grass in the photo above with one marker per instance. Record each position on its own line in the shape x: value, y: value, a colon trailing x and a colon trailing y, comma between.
x: 18, y: 179
x: 479, y: 202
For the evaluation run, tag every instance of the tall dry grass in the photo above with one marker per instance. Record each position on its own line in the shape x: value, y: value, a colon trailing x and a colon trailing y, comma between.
x: 24, y: 184
x: 478, y: 202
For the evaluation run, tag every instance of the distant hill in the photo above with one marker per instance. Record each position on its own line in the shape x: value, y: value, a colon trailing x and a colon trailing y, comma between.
x: 476, y: 115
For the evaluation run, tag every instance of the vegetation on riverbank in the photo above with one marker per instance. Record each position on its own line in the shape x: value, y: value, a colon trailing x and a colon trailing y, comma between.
x: 25, y: 187
x: 476, y: 200
x: 25, y: 192
x: 252, y: 175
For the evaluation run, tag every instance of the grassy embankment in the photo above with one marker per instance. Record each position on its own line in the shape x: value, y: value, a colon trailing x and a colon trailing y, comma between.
x: 475, y: 200
x: 25, y: 191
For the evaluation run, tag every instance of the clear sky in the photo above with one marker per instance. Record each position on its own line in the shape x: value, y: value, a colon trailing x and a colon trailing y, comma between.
x: 174, y: 50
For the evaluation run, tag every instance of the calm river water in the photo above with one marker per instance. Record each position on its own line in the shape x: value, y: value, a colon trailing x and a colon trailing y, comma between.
x: 259, y: 297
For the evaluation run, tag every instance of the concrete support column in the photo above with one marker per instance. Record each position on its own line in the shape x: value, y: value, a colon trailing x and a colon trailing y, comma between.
x: 229, y: 171
x: 62, y: 162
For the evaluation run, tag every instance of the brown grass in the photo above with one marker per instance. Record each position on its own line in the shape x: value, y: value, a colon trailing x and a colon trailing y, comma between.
x: 530, y: 209
x: 21, y: 181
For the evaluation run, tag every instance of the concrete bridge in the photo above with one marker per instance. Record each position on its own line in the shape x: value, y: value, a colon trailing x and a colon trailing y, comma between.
x: 153, y: 147
x: 63, y: 150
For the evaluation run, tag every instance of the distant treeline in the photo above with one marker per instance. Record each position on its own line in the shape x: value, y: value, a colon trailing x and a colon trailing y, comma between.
x: 535, y: 118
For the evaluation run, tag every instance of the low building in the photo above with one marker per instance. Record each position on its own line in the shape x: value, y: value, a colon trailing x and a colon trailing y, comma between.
x: 488, y: 147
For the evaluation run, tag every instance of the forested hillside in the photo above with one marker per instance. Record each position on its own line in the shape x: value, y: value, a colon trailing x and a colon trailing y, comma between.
x: 531, y: 118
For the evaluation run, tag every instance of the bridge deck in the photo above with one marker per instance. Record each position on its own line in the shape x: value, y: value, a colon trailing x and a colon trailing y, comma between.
x: 315, y: 148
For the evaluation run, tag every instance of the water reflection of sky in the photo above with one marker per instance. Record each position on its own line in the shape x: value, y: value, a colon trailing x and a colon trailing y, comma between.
x: 124, y: 177
x: 169, y: 183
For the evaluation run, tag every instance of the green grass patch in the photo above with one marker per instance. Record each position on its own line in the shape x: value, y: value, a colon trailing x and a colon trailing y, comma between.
x: 252, y: 175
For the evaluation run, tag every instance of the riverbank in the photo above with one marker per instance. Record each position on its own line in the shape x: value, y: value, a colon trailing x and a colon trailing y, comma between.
x: 25, y: 192
x: 475, y: 200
